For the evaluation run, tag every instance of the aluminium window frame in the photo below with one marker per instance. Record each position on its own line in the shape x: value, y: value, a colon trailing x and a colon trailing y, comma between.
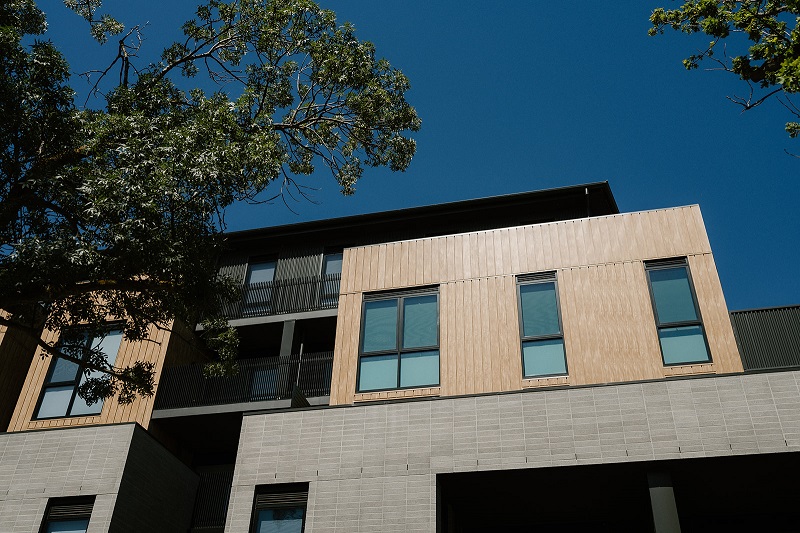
x: 549, y: 276
x: 63, y: 509
x: 292, y: 493
x: 666, y: 264
x: 432, y: 290
x: 76, y: 383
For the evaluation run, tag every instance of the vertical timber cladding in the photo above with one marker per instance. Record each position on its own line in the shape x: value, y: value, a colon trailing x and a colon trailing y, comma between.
x: 16, y: 351
x: 607, y: 316
x: 154, y: 350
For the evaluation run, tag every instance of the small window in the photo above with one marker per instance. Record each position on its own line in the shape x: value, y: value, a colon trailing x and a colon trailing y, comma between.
x: 60, y: 392
x: 67, y: 515
x: 540, y: 326
x: 399, y: 341
x: 680, y: 328
x: 280, y: 508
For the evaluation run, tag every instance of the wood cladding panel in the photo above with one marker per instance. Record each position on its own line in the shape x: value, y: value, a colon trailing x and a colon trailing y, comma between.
x: 16, y: 351
x: 609, y: 329
x: 714, y: 312
x: 161, y: 348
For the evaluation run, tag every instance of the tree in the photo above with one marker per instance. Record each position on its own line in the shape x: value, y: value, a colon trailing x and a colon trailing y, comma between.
x: 117, y: 212
x: 771, y: 63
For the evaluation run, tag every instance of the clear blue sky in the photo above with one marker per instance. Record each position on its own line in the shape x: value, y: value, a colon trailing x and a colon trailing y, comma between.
x: 520, y: 95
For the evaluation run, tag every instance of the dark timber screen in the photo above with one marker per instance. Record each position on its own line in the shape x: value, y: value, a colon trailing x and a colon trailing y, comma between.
x: 269, y: 378
x: 768, y: 338
x: 282, y: 296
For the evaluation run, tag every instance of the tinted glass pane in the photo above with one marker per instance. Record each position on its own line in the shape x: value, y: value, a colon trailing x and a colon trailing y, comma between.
x: 261, y: 272
x: 380, y: 326
x: 55, y: 401
x: 419, y: 369
x: 68, y: 526
x: 280, y: 520
x: 377, y: 372
x: 63, y: 370
x: 264, y: 384
x: 672, y: 295
x: 110, y: 344
x: 539, y: 311
x: 80, y: 407
x: 544, y: 358
x: 420, y: 321
x: 332, y: 264
x: 683, y: 345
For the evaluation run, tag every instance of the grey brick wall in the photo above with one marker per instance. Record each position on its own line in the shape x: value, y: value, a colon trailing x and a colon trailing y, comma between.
x: 373, y: 467
x: 38, y: 465
x: 156, y: 493
x: 139, y: 486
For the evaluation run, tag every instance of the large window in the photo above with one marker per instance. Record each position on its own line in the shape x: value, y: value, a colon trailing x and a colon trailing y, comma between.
x: 540, y: 326
x: 67, y: 515
x: 280, y: 509
x: 680, y: 328
x: 399, y: 341
x: 60, y: 392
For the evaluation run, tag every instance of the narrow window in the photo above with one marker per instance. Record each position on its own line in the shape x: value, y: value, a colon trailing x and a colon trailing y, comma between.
x: 680, y: 327
x: 60, y: 392
x: 67, y: 515
x: 258, y: 285
x: 540, y: 326
x: 331, y: 277
x: 399, y: 341
x: 280, y: 508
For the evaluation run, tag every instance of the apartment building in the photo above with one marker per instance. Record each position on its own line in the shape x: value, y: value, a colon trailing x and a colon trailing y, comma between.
x: 530, y: 362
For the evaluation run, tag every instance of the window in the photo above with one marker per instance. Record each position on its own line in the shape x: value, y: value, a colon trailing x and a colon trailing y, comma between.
x: 258, y: 286
x: 67, y: 515
x: 280, y: 508
x: 60, y: 392
x: 399, y: 341
x: 331, y: 276
x: 680, y: 328
x: 540, y: 326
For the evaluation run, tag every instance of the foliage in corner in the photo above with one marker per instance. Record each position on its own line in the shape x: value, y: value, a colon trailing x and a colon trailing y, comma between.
x: 767, y: 31
x: 117, y: 212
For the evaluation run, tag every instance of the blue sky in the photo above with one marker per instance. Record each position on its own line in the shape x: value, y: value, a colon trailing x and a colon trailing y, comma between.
x: 521, y: 95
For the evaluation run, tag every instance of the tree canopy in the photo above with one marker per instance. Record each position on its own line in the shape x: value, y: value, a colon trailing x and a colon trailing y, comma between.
x: 766, y: 39
x: 116, y: 212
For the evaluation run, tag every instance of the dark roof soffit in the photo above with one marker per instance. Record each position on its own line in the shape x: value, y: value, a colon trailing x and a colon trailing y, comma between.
x: 601, y: 187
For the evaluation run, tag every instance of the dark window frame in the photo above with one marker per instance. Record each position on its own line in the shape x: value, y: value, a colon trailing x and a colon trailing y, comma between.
x: 258, y: 260
x: 66, y: 509
x: 536, y: 279
x: 75, y: 382
x: 292, y: 495
x: 668, y: 264
x: 399, y: 295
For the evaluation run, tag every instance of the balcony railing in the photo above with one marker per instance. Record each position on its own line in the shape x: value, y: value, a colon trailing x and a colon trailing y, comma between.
x: 286, y: 296
x: 269, y: 378
x: 211, y: 502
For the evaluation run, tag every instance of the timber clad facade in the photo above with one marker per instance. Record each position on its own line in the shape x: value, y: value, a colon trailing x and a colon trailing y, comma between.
x: 532, y: 362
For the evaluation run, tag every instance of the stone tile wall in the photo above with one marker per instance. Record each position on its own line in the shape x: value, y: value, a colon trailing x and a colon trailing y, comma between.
x: 373, y: 467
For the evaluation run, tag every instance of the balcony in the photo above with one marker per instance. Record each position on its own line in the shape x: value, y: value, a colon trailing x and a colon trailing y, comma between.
x: 258, y: 380
x: 283, y: 296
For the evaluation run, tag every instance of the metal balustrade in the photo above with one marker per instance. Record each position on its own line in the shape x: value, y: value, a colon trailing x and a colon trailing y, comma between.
x: 283, y: 296
x: 268, y: 378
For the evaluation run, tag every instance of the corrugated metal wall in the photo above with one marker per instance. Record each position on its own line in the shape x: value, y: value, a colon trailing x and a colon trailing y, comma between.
x: 768, y: 338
